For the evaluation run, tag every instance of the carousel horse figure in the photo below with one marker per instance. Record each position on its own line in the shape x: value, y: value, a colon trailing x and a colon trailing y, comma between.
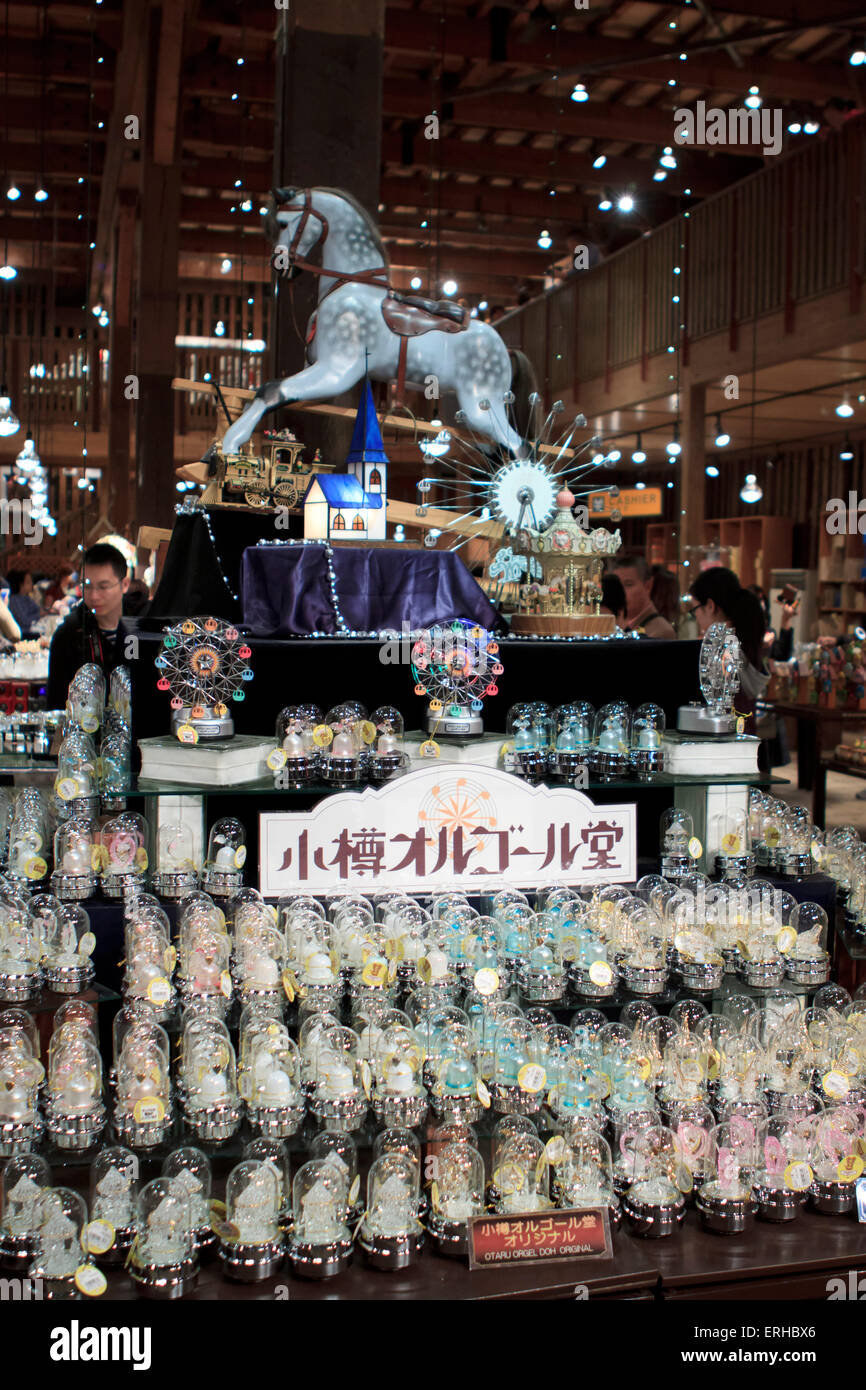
x: 363, y: 324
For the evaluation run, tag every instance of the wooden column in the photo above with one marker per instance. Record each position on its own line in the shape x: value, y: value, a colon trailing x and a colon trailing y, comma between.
x: 159, y: 236
x: 121, y: 472
x: 690, y: 531
x: 328, y: 115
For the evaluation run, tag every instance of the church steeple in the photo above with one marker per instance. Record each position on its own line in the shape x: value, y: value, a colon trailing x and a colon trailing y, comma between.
x: 367, y: 450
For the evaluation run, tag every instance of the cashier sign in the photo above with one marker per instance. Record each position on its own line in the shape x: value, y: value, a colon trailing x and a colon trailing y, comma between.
x: 447, y: 827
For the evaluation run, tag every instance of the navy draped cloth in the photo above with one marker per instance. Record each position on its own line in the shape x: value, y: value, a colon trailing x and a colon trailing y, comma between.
x: 286, y: 590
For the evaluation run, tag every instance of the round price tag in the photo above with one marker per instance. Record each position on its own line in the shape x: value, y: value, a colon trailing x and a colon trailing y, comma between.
x: 836, y: 1084
x: 786, y: 939
x: 87, y: 944
x: 276, y: 759
x: 850, y: 1168
x: 354, y: 1189
x: 323, y: 734
x: 159, y: 991
x: 798, y: 1176
x: 696, y: 849
x: 683, y: 1178
x: 97, y: 1237
x: 240, y: 856
x: 90, y: 1281
x: 187, y: 734
x: 555, y: 1149
x: 483, y: 1094
x: 141, y: 860
x: 35, y: 867
x: 531, y: 1078
x: 169, y: 957
x: 486, y: 981
x: 375, y: 973
x: 429, y: 749
x: 148, y: 1111
x: 290, y: 985
x: 226, y: 984
x: 600, y: 973
x: 67, y: 788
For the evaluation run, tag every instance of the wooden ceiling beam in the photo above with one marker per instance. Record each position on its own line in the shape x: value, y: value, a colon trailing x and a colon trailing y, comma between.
x: 488, y: 159
x: 421, y: 34
x: 540, y: 115
x: 567, y: 209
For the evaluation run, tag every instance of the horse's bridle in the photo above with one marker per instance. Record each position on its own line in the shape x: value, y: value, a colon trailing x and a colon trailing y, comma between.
x: 363, y: 277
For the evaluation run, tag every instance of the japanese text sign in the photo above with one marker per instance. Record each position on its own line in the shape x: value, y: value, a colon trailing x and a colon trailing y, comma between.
x: 581, y: 1233
x: 444, y: 827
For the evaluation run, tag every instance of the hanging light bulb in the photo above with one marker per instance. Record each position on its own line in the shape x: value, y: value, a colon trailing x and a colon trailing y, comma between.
x: 437, y: 446
x: 722, y: 436
x: 857, y: 56
x: 41, y: 195
x: 28, y: 459
x: 668, y: 159
x: 13, y: 192
x: 545, y: 240
x: 415, y: 282
x: 580, y: 93
x: 751, y: 491
x: 614, y: 456
x: 7, y: 272
x: 625, y: 203
x: 605, y: 205
x: 660, y: 175
x: 450, y: 287
x: 845, y: 409
x: 811, y: 127
x: 753, y: 100
x: 846, y: 452
x: 220, y: 329
x: 9, y: 422
x: 673, y: 448
x: 794, y: 126
x: 599, y: 161
x: 639, y: 454
x: 711, y: 470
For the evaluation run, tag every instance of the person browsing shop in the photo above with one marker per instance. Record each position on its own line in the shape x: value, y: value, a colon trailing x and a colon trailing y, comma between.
x: 718, y: 597
x: 634, y: 574
x: 94, y: 632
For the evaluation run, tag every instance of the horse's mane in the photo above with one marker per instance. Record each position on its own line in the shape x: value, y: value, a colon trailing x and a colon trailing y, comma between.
x: 362, y: 212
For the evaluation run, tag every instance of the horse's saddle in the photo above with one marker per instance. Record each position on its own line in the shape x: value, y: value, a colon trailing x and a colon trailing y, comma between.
x: 409, y: 315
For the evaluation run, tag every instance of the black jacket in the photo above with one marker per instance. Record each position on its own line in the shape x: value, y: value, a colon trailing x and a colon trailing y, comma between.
x: 77, y: 642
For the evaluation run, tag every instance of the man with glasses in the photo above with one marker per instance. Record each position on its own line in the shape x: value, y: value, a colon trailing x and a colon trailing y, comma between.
x: 94, y: 631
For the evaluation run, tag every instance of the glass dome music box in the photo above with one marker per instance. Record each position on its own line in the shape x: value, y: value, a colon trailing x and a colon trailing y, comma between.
x: 74, y: 1113
x: 296, y: 756
x: 59, y: 1254
x: 321, y: 1242
x: 20, y: 951
x: 190, y: 1172
x: 391, y: 1236
x: 387, y: 754
x: 24, y: 1181
x: 783, y: 1170
x: 808, y: 962
x: 74, y: 876
x: 726, y: 1201
x: 573, y: 724
x: 176, y: 872
x: 677, y: 843
x: 647, y: 741
x: 21, y: 1075
x: 67, y: 945
x: 113, y: 1189
x: 251, y: 1243
x: 529, y: 727
x: 611, y: 743
x: 123, y: 854
x: 654, y: 1204
x: 226, y: 856
x: 567, y: 598
x: 456, y: 1196
x: 164, y: 1260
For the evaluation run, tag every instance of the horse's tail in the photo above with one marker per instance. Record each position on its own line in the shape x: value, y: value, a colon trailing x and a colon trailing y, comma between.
x: 523, y: 384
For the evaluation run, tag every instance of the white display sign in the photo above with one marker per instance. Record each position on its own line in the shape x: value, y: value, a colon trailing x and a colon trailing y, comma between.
x: 444, y: 827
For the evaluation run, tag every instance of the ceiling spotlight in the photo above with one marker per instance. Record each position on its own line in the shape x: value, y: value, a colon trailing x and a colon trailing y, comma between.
x: 104, y: 320
x: 28, y: 459
x: 13, y: 192
x: 751, y: 491
x: 753, y: 100
x: 482, y: 304
x: 673, y: 448
x: 450, y: 287
x: 794, y: 126
x: 659, y: 175
x: 605, y: 205
x: 599, y: 161
x: 225, y: 265
x: 722, y: 437
x: 846, y: 452
x: 437, y: 446
x: 545, y: 240
x: 845, y: 409
x: 857, y: 56
x: 811, y: 127
x: 7, y: 272
x: 580, y: 93
x: 41, y: 195
x: 668, y: 159
x: 641, y: 485
x: 625, y: 203
x: 639, y: 454
x: 96, y: 310
x: 9, y: 422
x: 220, y: 329
x: 415, y: 282
x: 711, y: 470
x: 614, y: 456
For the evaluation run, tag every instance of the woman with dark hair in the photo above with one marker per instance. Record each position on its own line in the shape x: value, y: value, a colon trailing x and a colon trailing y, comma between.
x: 720, y: 598
x: 613, y: 597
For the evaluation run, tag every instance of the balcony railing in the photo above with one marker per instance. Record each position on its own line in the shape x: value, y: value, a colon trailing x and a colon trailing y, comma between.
x: 791, y: 232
